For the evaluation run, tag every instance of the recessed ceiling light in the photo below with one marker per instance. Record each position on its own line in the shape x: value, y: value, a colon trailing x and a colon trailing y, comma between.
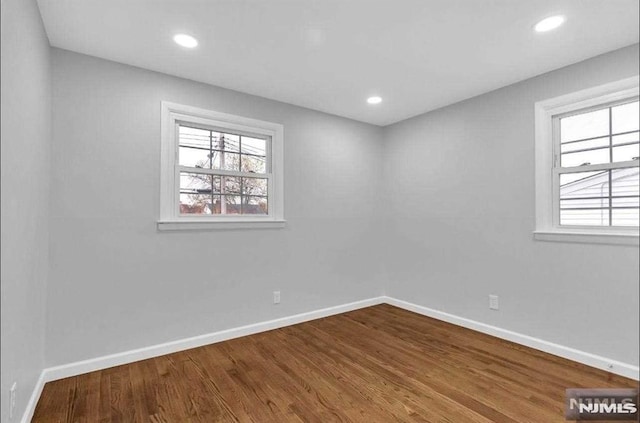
x: 549, y: 23
x: 185, y: 40
x: 374, y: 100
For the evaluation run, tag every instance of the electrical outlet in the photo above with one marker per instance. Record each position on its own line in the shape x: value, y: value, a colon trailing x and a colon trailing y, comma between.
x: 12, y: 400
x: 493, y: 302
x: 276, y: 297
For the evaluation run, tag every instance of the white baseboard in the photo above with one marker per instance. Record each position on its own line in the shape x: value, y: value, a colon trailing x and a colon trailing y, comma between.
x: 99, y: 363
x: 599, y: 362
x: 33, y: 400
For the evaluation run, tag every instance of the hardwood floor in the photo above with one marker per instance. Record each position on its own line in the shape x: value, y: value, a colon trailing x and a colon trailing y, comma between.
x: 379, y: 364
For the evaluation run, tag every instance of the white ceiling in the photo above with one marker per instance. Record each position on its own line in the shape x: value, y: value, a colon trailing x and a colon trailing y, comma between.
x: 330, y: 55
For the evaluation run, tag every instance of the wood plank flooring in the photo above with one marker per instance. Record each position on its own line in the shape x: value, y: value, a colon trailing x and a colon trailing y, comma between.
x: 379, y: 364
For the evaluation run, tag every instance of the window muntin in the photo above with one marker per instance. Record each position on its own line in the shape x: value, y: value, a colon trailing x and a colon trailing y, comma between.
x: 596, y: 167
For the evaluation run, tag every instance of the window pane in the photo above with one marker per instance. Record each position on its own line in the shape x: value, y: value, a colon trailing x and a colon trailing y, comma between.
x: 231, y: 185
x: 194, y: 157
x: 226, y: 142
x: 585, y: 125
x: 625, y: 202
x: 584, y: 184
x: 625, y: 117
x: 254, y: 146
x: 626, y: 153
x: 625, y: 217
x: 254, y: 164
x: 195, y: 183
x: 254, y: 205
x: 232, y: 204
x: 588, y: 203
x: 623, y: 139
x: 585, y: 157
x: 226, y: 161
x: 194, y: 147
x: 195, y: 204
x: 598, y: 142
x: 192, y: 137
x: 195, y: 193
x: 254, y: 186
x: 585, y: 217
x: 625, y: 181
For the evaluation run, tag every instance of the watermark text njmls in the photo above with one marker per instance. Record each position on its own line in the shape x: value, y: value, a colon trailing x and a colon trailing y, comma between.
x: 601, y: 404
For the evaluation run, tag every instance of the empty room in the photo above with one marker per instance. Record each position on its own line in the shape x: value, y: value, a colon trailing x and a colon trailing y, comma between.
x: 320, y: 211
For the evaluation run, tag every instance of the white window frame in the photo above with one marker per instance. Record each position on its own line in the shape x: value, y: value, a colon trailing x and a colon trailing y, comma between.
x: 547, y: 165
x: 174, y: 114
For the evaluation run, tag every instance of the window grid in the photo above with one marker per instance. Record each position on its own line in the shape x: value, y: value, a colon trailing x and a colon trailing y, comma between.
x: 609, y: 200
x: 225, y: 199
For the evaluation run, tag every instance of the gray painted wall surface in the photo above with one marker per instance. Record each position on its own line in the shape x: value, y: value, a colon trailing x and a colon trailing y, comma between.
x: 460, y: 197
x: 117, y: 284
x: 26, y: 136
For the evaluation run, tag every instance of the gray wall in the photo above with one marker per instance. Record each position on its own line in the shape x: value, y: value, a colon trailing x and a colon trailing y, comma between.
x: 460, y: 196
x: 116, y: 283
x: 26, y: 140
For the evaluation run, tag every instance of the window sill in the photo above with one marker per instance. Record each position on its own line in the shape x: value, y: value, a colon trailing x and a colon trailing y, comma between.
x: 611, y: 238
x: 198, y: 225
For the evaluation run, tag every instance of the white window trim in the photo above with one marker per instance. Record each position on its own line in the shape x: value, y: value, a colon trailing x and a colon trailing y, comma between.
x: 170, y: 218
x: 545, y: 201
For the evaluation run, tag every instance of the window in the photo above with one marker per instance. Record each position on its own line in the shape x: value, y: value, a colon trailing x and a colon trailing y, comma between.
x: 587, y: 157
x: 219, y: 170
x: 597, y: 154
